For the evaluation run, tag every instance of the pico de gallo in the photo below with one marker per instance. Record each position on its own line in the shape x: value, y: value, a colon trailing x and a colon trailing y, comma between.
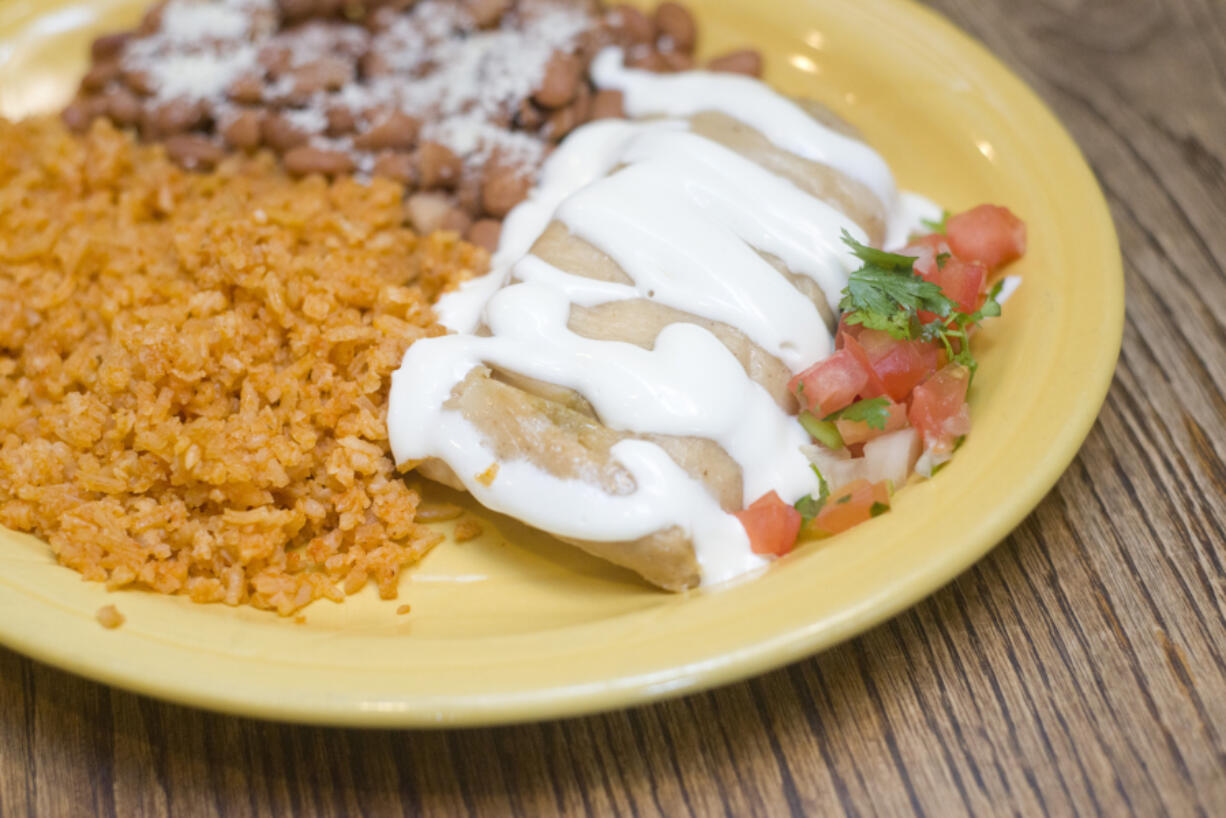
x: 892, y: 398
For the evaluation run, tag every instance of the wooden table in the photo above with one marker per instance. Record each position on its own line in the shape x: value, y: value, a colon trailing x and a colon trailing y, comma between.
x: 1081, y: 668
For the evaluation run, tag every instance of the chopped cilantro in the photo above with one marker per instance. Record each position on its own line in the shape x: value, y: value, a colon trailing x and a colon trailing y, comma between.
x: 877, y: 509
x: 942, y: 260
x: 886, y: 294
x: 846, y: 498
x: 807, y: 506
x: 873, y: 411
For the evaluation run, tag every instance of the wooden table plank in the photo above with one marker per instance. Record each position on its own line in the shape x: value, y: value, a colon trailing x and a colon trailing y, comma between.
x: 1080, y: 669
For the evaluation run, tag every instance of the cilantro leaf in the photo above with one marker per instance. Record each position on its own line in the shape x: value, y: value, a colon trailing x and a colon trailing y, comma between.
x: 873, y: 411
x: 886, y: 294
x: 877, y: 509
x: 808, y: 507
x: 877, y: 258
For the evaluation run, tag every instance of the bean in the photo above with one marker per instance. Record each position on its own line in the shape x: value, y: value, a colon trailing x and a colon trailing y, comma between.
x: 374, y: 64
x: 396, y: 131
x: 293, y: 10
x: 502, y: 188
x: 139, y: 81
x: 152, y: 21
x: 427, y: 211
x: 529, y: 117
x: 634, y: 25
x: 746, y: 61
x: 457, y: 220
x: 246, y: 90
x: 174, y: 117
x: 398, y: 167
x: 305, y: 160
x: 677, y: 24
x: 485, y: 233
x: 437, y: 166
x: 565, y: 120
x: 323, y: 74
x: 677, y: 60
x: 341, y: 121
x: 108, y: 46
x: 468, y: 193
x: 100, y: 75
x: 280, y: 134
x: 561, y: 81
x: 243, y: 132
x: 123, y: 106
x: 276, y: 60
x: 193, y: 152
x: 608, y: 104
x: 487, y: 13
x: 81, y: 112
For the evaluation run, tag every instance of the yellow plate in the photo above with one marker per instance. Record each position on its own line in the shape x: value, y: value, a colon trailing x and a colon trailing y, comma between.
x: 512, y: 627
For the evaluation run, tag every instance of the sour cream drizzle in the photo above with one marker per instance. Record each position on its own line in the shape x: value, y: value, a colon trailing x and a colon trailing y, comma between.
x: 688, y: 220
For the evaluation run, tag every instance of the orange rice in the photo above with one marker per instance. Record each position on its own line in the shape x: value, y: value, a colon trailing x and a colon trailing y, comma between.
x: 194, y: 368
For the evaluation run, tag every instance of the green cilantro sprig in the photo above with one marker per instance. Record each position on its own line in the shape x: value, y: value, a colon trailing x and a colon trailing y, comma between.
x: 886, y: 294
x: 809, y: 507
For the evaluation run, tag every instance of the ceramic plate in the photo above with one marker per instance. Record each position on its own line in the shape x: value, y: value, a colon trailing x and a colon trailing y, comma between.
x: 513, y: 626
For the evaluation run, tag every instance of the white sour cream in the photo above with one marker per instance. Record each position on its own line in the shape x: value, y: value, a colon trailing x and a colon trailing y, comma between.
x: 688, y: 220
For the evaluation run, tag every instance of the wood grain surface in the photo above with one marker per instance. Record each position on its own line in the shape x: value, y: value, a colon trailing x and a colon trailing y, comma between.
x: 1079, y: 669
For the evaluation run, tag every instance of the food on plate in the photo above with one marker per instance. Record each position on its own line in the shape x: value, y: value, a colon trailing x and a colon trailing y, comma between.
x: 628, y: 375
x: 689, y: 352
x: 194, y: 368
x: 459, y: 100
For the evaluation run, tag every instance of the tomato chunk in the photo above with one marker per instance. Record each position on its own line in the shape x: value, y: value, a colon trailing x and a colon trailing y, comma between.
x: 938, y: 408
x: 830, y: 385
x: 851, y: 505
x: 989, y: 234
x: 858, y: 431
x: 873, y: 386
x: 772, y: 525
x: 896, y: 366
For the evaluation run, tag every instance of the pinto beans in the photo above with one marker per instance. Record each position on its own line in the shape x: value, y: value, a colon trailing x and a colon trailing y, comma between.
x: 396, y: 131
x: 123, y: 106
x: 280, y: 134
x: 305, y: 160
x: 746, y: 61
x: 608, y: 104
x: 108, y: 46
x: 437, y: 166
x: 561, y: 81
x: 100, y: 75
x: 398, y: 167
x: 502, y: 188
x: 487, y: 13
x: 194, y: 152
x: 634, y: 25
x: 485, y: 233
x: 676, y: 24
x: 173, y: 117
x: 246, y: 90
x: 244, y: 131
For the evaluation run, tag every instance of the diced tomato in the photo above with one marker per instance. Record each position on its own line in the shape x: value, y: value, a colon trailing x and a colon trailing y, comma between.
x: 988, y: 234
x: 851, y: 505
x: 858, y: 431
x: 830, y: 385
x: 772, y: 525
x: 873, y: 387
x: 897, y: 366
x: 963, y: 282
x: 939, y: 410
